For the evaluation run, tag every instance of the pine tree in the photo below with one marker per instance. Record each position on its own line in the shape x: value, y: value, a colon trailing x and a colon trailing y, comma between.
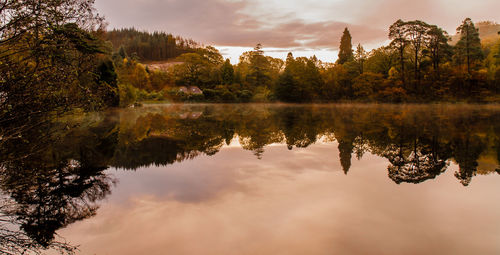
x: 289, y: 58
x: 360, y: 57
x: 259, y: 67
x: 468, y: 48
x: 438, y: 48
x: 345, y: 50
x: 227, y: 71
x: 399, y: 43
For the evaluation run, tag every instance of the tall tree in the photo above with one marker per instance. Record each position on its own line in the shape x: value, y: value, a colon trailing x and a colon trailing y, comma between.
x: 345, y: 49
x: 416, y: 34
x: 258, y: 68
x: 381, y: 60
x: 227, y: 72
x: 438, y: 47
x: 360, y: 57
x: 399, y: 42
x: 287, y: 89
x: 301, y: 80
x: 468, y: 49
x: 195, y: 70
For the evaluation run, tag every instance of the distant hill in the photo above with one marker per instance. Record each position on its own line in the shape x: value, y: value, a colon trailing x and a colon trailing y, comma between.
x: 156, y: 46
x: 488, y: 32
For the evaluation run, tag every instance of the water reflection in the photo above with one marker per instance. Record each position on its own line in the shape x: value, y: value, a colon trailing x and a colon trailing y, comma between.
x: 51, y: 177
x: 55, y: 180
x: 418, y: 141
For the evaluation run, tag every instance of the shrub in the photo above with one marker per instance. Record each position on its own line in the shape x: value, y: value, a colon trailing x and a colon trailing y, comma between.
x: 128, y: 95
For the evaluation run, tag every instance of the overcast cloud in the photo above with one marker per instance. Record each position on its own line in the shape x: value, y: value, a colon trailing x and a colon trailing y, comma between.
x: 291, y: 24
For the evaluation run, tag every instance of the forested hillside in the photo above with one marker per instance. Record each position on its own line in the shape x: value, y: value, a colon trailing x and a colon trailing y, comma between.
x: 156, y: 46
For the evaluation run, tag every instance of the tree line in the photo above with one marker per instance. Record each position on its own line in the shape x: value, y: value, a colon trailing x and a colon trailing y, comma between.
x: 419, y: 65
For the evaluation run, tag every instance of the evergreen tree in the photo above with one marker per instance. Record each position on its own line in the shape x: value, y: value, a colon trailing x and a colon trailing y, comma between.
x: 345, y: 154
x: 468, y: 49
x: 289, y: 58
x: 259, y: 68
x: 399, y: 43
x: 108, y: 79
x: 122, y: 52
x: 227, y: 72
x: 416, y: 34
x: 286, y: 88
x: 360, y: 57
x: 156, y: 46
x: 345, y: 50
x: 438, y: 48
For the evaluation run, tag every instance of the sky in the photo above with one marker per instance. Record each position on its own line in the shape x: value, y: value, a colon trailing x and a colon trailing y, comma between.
x: 304, y: 27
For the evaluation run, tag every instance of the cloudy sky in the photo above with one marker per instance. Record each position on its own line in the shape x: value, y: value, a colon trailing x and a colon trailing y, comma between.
x: 306, y: 27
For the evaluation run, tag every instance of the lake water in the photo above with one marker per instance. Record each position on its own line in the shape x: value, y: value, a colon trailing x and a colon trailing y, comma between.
x: 263, y: 179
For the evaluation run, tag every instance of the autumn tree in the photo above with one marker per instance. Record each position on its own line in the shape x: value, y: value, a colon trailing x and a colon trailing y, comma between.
x: 200, y: 69
x: 50, y: 59
x: 367, y: 86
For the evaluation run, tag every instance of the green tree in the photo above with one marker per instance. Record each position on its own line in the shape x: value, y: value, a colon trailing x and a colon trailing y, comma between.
x: 122, y: 53
x: 468, y: 49
x: 227, y: 72
x: 360, y: 57
x: 287, y: 89
x: 107, y: 78
x: 381, y: 60
x: 399, y: 43
x: 258, y: 73
x: 156, y: 46
x: 416, y: 34
x: 50, y: 52
x: 194, y: 71
x: 345, y: 49
x: 438, y: 47
x: 212, y: 55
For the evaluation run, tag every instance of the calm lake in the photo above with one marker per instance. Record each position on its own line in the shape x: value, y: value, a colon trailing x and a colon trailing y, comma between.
x: 263, y: 179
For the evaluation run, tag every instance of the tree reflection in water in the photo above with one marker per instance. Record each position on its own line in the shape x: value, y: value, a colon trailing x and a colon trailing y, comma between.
x: 52, y: 182
x: 415, y: 167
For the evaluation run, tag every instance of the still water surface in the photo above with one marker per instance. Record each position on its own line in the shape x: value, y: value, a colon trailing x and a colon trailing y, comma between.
x: 267, y: 179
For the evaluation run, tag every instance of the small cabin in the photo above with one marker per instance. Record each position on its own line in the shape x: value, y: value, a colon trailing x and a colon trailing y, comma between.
x: 194, y: 90
x: 190, y: 90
